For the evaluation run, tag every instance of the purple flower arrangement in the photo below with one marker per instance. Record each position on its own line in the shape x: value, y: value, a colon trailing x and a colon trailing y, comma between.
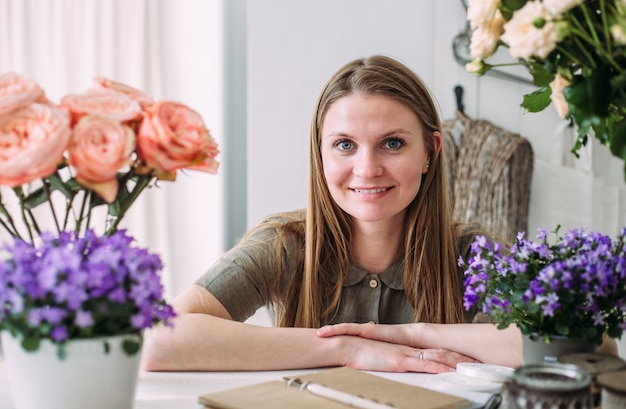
x: 68, y: 287
x: 575, y: 287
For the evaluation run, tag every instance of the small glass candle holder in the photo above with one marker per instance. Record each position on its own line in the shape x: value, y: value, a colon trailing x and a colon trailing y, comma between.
x: 548, y: 386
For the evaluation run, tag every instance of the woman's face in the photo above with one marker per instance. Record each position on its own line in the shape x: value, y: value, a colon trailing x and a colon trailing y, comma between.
x: 373, y: 154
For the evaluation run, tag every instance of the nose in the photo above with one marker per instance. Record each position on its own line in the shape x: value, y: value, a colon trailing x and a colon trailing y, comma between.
x: 367, y: 164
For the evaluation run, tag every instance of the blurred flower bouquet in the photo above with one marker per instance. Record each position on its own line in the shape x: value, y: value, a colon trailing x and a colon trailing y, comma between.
x: 575, y: 51
x: 58, y: 163
x: 100, y: 147
x: 575, y: 287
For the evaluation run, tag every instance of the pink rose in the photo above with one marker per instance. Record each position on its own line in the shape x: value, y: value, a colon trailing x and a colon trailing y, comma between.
x: 18, y: 91
x: 172, y: 136
x: 98, y: 149
x: 101, y: 101
x: 32, y: 142
x: 144, y: 100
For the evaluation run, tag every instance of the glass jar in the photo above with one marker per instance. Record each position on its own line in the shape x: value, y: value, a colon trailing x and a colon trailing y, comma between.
x: 548, y: 386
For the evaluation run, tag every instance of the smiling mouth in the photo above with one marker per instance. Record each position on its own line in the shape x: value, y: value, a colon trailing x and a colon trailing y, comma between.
x: 372, y: 191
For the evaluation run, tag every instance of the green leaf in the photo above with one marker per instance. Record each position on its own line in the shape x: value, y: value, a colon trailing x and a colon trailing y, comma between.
x: 131, y: 347
x: 537, y: 100
x: 513, y: 4
x: 56, y: 183
x: 589, y: 100
x: 562, y: 328
x: 618, y: 142
x: 61, y: 353
x: 107, y: 347
x: 30, y: 343
x: 34, y: 199
x: 542, y: 77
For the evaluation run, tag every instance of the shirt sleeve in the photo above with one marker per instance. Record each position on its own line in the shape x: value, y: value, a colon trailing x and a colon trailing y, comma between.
x: 247, y: 277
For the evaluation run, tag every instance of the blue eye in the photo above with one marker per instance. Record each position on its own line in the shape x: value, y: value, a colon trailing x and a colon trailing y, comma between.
x: 394, y: 143
x: 344, y: 145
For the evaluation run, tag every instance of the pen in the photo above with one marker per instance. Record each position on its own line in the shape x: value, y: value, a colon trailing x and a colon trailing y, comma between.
x: 336, y: 395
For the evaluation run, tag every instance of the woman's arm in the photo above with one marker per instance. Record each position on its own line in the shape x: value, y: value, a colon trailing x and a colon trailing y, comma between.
x: 483, y: 342
x: 204, y: 338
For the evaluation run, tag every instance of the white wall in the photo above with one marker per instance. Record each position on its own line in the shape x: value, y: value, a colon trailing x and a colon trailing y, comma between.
x: 293, y: 46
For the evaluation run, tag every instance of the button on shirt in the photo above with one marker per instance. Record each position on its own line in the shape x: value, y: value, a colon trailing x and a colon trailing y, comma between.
x: 379, y: 298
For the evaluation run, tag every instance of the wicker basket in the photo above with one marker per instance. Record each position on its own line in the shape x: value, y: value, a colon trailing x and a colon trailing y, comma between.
x: 489, y: 174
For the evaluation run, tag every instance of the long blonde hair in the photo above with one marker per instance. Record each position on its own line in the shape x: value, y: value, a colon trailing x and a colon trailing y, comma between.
x: 431, y: 278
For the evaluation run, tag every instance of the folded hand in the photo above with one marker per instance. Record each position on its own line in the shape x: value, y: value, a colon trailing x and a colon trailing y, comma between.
x: 391, y: 348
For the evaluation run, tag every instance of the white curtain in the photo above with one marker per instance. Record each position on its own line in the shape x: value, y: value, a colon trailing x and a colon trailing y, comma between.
x: 63, y: 44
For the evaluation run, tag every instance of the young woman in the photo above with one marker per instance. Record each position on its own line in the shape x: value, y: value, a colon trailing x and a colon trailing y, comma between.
x: 375, y: 245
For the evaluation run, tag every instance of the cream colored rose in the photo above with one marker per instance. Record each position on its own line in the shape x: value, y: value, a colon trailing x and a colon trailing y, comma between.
x: 481, y: 12
x: 557, y: 96
x: 144, y: 100
x: 172, y: 136
x: 104, y: 102
x: 524, y: 38
x: 558, y: 7
x: 618, y: 32
x: 32, y: 142
x: 485, y: 38
x: 98, y: 149
x: 18, y: 91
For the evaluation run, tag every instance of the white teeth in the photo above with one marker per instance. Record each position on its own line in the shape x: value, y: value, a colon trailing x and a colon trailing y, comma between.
x: 370, y: 191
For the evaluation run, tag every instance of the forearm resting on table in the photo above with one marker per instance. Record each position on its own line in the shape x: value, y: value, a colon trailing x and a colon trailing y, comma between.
x: 484, y: 342
x: 201, y: 342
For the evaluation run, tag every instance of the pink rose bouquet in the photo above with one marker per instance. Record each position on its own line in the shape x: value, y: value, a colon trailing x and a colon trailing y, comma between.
x: 575, y: 51
x: 101, y: 147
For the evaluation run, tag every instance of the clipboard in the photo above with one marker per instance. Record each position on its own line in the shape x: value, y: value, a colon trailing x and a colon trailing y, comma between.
x: 278, y: 395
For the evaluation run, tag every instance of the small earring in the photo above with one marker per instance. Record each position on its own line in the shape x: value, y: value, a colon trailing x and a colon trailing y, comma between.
x: 427, y: 165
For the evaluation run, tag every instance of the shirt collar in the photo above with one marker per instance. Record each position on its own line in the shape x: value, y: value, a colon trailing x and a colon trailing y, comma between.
x: 393, y: 277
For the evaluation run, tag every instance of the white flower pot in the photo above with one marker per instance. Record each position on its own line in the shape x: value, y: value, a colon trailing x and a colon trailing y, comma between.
x: 86, y: 378
x: 537, y: 351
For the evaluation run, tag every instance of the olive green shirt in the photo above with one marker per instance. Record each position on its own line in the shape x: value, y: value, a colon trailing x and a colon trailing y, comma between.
x: 236, y: 280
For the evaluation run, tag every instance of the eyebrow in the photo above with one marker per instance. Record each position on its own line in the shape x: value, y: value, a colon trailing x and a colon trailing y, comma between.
x: 385, y: 135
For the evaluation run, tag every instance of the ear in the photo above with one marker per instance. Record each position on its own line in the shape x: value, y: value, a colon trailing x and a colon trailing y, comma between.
x: 437, y: 141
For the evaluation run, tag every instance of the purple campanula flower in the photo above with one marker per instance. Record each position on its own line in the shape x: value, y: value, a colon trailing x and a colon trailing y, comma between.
x: 59, y: 334
x: 549, y: 303
x: 35, y: 316
x: 139, y: 321
x: 83, y: 319
x: 53, y: 315
x: 469, y: 299
x: 542, y: 234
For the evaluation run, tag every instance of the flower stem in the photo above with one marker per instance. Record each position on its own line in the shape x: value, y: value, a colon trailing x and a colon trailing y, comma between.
x: 46, y: 189
x: 580, y: 32
x: 9, y: 225
x: 26, y: 214
x: 81, y: 214
x: 88, y: 223
x: 592, y: 29
x: 142, y: 183
x: 605, y: 26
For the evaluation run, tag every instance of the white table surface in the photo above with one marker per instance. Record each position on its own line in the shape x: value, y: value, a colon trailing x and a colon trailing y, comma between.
x: 180, y: 390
